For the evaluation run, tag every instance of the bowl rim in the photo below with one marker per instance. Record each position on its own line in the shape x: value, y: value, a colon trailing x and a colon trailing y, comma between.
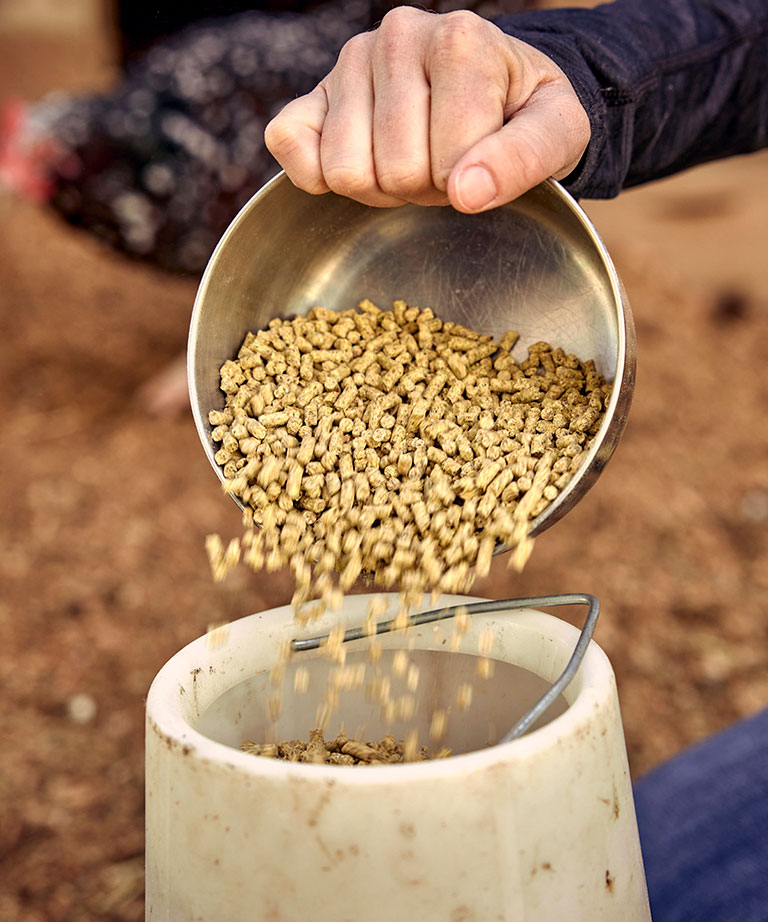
x: 605, y: 440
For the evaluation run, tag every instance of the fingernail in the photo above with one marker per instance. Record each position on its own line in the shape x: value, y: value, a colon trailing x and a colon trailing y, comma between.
x: 475, y: 188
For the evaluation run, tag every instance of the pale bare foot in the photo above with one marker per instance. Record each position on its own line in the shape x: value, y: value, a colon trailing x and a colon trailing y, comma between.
x: 166, y: 393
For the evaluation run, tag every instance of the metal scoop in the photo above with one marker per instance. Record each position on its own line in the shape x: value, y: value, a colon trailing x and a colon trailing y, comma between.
x: 535, y: 265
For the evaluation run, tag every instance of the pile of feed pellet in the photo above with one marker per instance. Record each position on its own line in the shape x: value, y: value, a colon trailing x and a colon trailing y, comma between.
x: 344, y: 751
x: 392, y: 444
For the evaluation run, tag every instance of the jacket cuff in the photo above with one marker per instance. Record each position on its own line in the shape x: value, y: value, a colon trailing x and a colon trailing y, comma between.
x: 601, y: 172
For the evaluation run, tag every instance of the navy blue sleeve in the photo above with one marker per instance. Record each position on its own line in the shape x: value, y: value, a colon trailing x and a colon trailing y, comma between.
x: 667, y: 84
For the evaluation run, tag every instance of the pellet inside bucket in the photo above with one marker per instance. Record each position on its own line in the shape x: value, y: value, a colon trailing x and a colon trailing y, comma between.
x: 497, y: 702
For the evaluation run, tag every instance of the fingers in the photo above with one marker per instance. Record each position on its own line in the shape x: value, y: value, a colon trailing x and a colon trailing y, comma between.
x: 324, y: 140
x: 346, y: 144
x: 416, y: 111
x: 401, y: 120
x: 469, y: 79
x: 293, y: 139
x: 546, y: 137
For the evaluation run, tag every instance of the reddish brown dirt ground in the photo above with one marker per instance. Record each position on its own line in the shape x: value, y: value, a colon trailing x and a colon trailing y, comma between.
x: 104, y: 510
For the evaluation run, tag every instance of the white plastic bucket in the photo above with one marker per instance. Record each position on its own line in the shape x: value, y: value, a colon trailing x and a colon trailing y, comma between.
x: 541, y: 829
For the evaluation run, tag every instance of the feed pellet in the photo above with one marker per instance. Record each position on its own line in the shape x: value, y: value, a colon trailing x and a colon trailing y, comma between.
x: 344, y: 751
x: 391, y: 444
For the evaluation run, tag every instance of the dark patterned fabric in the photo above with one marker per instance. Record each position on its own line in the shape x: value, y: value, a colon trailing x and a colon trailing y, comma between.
x: 159, y: 167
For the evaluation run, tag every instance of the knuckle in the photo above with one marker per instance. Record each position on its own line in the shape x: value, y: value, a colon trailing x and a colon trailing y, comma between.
x: 314, y: 184
x: 280, y: 137
x: 399, y: 23
x: 464, y: 20
x: 529, y: 164
x: 458, y: 36
x: 394, y: 38
x: 354, y: 54
x: 405, y: 179
x: 284, y: 142
x: 465, y: 50
x: 349, y: 180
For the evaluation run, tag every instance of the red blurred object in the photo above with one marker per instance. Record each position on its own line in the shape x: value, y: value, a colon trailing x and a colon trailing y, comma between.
x: 26, y: 158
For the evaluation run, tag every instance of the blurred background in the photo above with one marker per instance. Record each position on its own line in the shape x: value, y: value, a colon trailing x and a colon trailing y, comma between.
x: 105, y: 504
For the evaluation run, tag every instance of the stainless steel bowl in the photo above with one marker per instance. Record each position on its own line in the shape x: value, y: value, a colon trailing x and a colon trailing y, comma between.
x: 536, y: 265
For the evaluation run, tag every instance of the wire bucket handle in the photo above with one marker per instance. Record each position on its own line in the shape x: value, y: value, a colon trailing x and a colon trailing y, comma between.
x: 483, y: 608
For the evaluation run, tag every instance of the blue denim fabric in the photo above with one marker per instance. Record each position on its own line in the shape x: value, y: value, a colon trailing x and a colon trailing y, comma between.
x: 667, y: 84
x: 703, y: 819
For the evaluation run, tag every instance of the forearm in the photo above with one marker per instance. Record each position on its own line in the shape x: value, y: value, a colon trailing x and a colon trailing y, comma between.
x: 667, y: 84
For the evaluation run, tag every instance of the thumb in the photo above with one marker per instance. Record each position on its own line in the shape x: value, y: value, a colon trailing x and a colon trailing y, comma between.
x: 546, y: 137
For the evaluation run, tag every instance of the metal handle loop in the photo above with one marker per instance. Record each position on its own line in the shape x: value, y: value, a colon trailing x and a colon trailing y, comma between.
x: 482, y: 608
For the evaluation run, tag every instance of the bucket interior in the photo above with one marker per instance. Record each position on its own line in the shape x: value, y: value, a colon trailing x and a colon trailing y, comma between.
x: 498, y: 702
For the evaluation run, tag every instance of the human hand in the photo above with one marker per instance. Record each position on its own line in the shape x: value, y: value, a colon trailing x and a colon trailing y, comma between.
x: 434, y: 109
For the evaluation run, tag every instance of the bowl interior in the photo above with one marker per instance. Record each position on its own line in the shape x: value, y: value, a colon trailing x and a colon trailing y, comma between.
x: 535, y: 265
